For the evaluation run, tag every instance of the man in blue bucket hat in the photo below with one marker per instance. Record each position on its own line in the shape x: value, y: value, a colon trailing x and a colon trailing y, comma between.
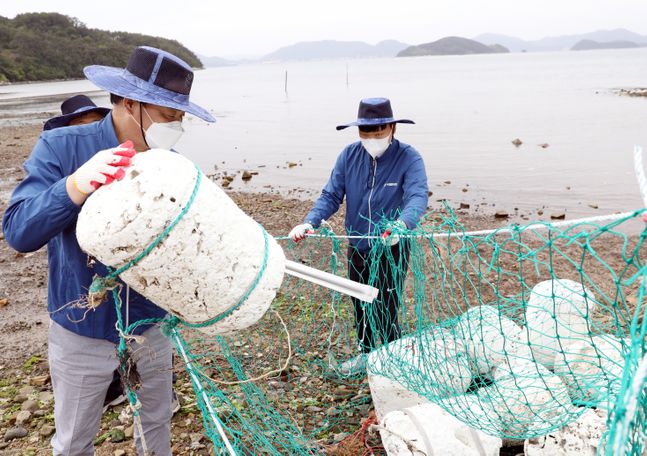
x: 149, y: 99
x: 76, y: 110
x: 385, y: 186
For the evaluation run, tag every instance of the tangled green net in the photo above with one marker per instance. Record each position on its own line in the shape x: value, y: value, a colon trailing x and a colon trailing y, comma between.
x: 516, y: 332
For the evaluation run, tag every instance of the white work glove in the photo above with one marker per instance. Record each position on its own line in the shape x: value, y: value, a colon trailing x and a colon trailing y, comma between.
x: 104, y: 167
x: 390, y: 236
x: 299, y: 232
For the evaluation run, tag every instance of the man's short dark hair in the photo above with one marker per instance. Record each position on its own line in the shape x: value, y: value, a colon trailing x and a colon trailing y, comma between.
x: 372, y: 128
x: 115, y: 99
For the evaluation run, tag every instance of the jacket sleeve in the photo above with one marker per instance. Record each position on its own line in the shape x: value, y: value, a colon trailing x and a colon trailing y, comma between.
x: 40, y: 207
x: 416, y: 192
x: 332, y: 194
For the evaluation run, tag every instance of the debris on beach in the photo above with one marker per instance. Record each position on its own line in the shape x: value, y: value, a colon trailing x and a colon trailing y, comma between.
x: 558, y: 216
x: 517, y: 142
x: 291, y: 164
x: 246, y: 176
x: 543, y: 145
x: 501, y: 214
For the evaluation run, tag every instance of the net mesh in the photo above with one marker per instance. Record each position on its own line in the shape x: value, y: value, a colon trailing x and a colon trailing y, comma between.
x: 516, y: 332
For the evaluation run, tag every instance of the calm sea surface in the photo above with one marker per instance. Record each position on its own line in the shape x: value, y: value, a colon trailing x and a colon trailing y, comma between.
x: 467, y: 110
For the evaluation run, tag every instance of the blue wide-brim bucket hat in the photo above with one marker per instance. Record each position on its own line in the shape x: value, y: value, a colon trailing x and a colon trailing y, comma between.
x: 151, y: 76
x: 72, y: 108
x: 374, y: 111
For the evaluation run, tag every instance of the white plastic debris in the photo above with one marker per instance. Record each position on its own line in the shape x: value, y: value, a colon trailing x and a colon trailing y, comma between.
x: 490, y: 338
x: 431, y: 363
x: 579, y: 438
x: 592, y: 368
x: 523, y: 393
x: 389, y: 395
x: 209, y: 260
x: 427, y: 429
x: 558, y: 314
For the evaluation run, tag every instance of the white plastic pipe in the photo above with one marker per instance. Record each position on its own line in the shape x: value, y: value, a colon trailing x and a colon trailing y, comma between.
x: 357, y: 290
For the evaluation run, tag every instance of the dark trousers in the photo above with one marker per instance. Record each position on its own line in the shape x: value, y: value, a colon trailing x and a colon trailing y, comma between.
x: 379, y: 319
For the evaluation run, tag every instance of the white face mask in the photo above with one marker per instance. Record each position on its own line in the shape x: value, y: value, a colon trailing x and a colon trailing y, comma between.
x: 376, y: 147
x: 162, y: 135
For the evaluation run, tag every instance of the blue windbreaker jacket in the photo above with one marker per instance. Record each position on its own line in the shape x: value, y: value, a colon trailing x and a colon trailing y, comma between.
x: 41, y: 212
x: 377, y: 190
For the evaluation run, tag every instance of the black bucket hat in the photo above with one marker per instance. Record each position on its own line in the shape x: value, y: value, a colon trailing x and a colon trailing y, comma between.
x: 71, y: 108
x: 151, y: 76
x: 374, y: 111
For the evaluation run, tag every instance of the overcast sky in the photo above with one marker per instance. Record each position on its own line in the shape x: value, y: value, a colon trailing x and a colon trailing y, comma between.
x: 237, y: 28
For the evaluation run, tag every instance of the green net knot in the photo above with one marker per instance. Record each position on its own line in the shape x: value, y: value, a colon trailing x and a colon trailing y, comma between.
x: 99, y: 289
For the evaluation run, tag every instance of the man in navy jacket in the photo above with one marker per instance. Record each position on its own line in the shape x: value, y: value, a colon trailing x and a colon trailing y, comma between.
x: 149, y: 97
x: 385, y: 186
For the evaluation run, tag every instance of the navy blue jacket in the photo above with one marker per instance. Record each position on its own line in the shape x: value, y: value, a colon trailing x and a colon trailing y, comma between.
x: 391, y: 187
x: 41, y: 213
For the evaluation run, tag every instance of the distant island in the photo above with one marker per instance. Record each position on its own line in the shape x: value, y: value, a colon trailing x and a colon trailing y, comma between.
x: 589, y: 45
x: 46, y: 46
x: 331, y: 49
x: 560, y: 43
x: 452, y: 45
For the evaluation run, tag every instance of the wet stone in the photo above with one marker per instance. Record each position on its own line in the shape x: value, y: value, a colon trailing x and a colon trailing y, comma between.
x: 29, y: 405
x: 17, y: 432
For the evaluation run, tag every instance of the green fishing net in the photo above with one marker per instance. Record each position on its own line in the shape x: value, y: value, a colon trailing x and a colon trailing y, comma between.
x: 515, y: 332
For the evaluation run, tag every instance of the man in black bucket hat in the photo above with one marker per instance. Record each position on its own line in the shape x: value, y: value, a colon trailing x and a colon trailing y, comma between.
x: 149, y: 98
x: 76, y: 110
x: 385, y: 186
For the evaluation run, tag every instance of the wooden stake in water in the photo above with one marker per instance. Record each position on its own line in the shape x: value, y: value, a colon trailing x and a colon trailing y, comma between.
x: 346, y: 74
x: 286, y: 82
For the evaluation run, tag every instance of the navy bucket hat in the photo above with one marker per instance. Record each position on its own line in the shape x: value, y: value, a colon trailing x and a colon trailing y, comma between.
x: 374, y: 111
x: 151, y: 76
x: 72, y: 108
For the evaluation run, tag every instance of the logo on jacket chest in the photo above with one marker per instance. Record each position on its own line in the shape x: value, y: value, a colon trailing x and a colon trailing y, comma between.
x: 390, y: 184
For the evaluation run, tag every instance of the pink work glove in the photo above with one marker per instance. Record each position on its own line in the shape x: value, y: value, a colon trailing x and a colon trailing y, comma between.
x: 299, y: 232
x: 103, y: 168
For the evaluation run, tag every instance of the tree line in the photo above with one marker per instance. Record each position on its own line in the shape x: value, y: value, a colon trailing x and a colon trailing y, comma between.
x: 46, y: 46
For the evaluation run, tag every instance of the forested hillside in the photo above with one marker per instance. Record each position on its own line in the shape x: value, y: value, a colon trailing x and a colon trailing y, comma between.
x: 44, y: 46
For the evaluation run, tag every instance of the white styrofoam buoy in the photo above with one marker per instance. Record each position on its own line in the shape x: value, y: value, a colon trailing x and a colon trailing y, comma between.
x: 579, y: 438
x: 428, y: 429
x: 208, y: 261
x: 430, y: 363
x: 558, y: 313
x: 521, y: 393
x: 592, y: 368
x: 490, y: 338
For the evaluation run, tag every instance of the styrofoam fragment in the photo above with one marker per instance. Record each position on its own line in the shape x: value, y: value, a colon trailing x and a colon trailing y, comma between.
x: 431, y: 363
x: 389, y: 395
x: 207, y: 262
x: 490, y: 338
x: 523, y: 393
x: 409, y: 430
x: 579, y: 438
x: 592, y: 368
x: 558, y: 313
